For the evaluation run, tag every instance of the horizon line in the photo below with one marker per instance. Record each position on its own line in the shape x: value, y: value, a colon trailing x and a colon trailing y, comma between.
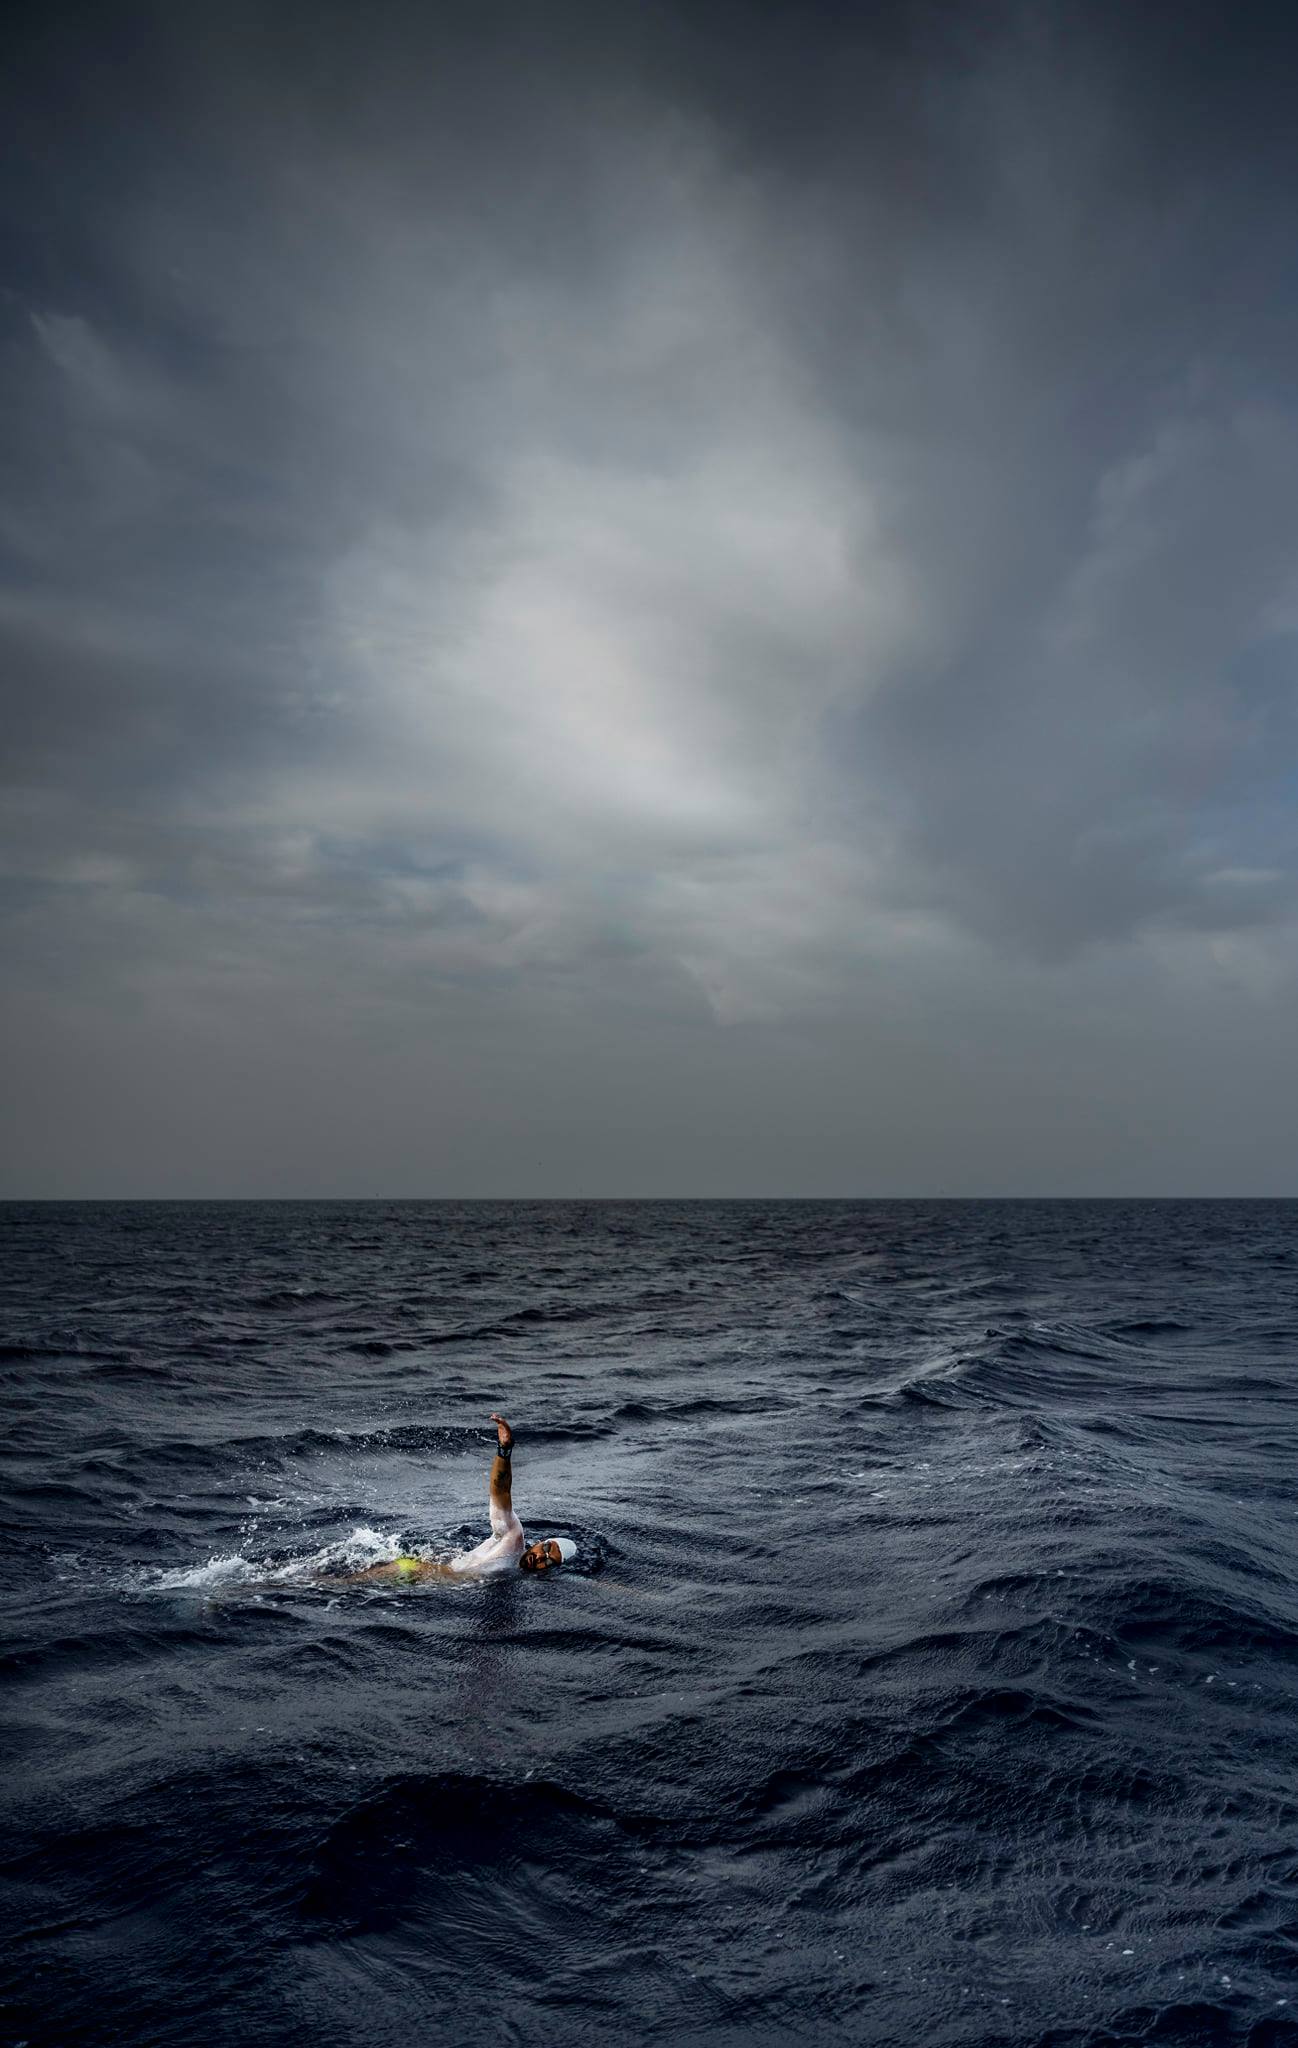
x: 484, y: 1200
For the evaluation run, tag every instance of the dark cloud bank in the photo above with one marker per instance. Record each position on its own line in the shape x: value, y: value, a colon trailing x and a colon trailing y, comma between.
x: 643, y: 600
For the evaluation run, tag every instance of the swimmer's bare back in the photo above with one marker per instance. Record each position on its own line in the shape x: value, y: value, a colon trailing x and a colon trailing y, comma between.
x: 402, y: 1569
x: 501, y: 1550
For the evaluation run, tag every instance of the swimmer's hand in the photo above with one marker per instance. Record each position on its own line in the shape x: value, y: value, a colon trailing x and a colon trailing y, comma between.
x: 504, y: 1434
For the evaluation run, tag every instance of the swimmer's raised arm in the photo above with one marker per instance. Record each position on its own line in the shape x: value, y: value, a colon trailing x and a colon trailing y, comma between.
x: 501, y: 1496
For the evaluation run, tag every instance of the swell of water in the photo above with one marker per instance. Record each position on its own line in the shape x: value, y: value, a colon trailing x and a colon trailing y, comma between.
x: 930, y: 1671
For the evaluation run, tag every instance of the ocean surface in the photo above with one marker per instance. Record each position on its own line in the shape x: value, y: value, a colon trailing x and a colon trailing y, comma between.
x: 929, y: 1674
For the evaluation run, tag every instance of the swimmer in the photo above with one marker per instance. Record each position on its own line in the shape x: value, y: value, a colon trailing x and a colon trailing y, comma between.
x: 505, y: 1550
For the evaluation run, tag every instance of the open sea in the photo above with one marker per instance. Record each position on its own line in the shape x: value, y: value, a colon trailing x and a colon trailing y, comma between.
x: 928, y: 1676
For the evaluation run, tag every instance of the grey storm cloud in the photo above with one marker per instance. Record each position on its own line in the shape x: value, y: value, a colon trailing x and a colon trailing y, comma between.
x: 623, y: 600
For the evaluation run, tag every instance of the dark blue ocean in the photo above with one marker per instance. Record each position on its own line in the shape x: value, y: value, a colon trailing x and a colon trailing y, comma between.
x: 929, y: 1675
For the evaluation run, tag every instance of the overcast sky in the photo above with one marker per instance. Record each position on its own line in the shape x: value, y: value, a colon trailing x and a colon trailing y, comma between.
x: 630, y: 599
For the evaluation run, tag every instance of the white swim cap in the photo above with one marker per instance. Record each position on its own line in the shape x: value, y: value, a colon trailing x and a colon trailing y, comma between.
x: 567, y: 1548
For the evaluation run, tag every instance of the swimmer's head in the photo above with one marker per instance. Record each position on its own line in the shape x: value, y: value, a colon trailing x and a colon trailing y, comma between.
x: 542, y: 1557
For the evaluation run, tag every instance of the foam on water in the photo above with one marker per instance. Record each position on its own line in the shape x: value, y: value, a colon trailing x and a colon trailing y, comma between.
x: 356, y: 1551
